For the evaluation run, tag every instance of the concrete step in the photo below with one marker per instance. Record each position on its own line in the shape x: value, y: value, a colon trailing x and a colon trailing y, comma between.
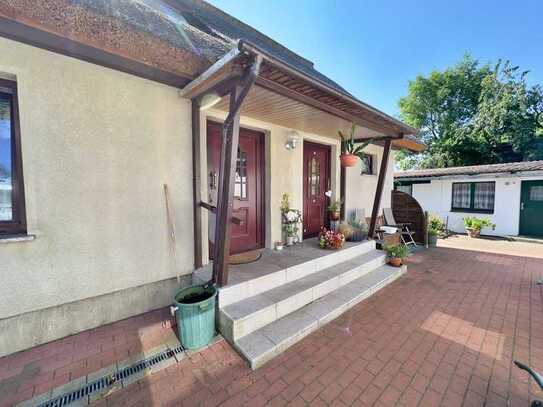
x: 277, y: 268
x: 250, y: 314
x: 270, y: 340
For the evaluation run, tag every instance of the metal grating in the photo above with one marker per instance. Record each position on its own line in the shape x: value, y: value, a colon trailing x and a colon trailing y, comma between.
x: 108, y: 381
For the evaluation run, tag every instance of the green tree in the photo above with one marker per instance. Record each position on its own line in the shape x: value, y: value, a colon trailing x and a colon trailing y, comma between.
x: 472, y: 114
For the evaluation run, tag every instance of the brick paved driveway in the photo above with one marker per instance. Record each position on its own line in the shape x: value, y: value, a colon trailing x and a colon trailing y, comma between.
x: 444, y: 334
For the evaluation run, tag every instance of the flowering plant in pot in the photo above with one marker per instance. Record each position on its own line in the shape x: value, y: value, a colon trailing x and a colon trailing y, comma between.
x: 350, y: 151
x: 474, y: 225
x: 396, y: 254
x: 291, y: 220
x: 328, y: 239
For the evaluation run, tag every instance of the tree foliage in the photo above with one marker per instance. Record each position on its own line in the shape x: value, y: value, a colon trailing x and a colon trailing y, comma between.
x: 473, y: 114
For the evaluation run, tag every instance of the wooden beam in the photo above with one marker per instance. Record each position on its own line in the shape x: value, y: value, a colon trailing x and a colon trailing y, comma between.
x: 213, y: 209
x: 380, y: 186
x: 216, y: 73
x: 196, y: 185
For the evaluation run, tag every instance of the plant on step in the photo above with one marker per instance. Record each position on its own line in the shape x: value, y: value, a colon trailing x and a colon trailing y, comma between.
x: 360, y: 228
x: 285, y: 202
x: 334, y: 208
x: 435, y: 227
x: 350, y: 150
x: 396, y: 254
x: 358, y: 223
x: 291, y: 219
x: 328, y: 239
x: 474, y: 225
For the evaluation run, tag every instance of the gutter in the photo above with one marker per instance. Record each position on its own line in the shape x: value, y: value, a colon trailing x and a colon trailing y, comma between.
x: 514, y: 174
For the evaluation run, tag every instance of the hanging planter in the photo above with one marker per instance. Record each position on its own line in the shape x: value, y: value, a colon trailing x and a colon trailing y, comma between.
x: 350, y: 152
x: 348, y: 160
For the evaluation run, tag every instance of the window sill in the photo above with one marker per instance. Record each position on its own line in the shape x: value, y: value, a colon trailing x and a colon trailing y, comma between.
x: 16, y: 238
x: 482, y: 212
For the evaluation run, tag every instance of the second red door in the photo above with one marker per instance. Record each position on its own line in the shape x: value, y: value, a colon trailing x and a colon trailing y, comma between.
x: 316, y: 179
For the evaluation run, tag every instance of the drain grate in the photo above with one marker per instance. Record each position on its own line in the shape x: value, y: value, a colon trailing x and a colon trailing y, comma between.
x: 108, y: 381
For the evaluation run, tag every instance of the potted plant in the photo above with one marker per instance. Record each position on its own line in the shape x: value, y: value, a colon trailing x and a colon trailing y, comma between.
x: 396, y: 254
x: 350, y: 152
x: 335, y: 209
x: 474, y: 225
x: 328, y: 239
x: 291, y: 219
x: 435, y: 227
x: 360, y: 228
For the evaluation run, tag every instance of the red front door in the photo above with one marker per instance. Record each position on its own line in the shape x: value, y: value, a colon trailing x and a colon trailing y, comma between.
x: 248, y: 187
x: 316, y: 183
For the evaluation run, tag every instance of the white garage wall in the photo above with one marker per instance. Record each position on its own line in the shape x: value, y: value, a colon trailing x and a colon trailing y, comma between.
x: 436, y: 199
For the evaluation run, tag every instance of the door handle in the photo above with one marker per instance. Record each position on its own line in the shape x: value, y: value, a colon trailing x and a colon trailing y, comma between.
x: 522, y: 206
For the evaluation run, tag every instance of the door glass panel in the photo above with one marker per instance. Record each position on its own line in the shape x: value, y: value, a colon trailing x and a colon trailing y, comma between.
x: 536, y: 193
x: 6, y: 211
x: 240, y: 183
x: 314, y: 177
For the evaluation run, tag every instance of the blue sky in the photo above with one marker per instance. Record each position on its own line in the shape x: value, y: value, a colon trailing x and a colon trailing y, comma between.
x: 373, y: 48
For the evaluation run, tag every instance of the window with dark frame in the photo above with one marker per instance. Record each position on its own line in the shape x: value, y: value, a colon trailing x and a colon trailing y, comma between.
x: 473, y: 197
x: 367, y: 164
x: 12, y: 205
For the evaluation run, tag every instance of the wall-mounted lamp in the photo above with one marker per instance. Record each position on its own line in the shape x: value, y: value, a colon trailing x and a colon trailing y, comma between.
x: 292, y: 140
x: 209, y: 100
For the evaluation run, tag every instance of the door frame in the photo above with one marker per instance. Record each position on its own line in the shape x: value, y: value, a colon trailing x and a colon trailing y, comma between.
x: 520, y: 221
x: 261, y: 179
x: 328, y: 168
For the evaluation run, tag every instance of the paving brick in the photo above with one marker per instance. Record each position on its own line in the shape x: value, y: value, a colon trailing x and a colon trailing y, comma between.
x: 446, y: 333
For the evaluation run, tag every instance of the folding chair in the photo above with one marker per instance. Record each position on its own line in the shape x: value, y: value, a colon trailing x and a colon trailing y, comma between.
x: 406, y: 234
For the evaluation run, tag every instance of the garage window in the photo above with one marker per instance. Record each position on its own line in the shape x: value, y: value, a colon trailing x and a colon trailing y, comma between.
x: 473, y: 197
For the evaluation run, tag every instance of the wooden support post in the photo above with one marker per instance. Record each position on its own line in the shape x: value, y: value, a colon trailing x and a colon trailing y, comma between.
x: 227, y: 170
x: 379, y: 190
x: 196, y: 184
x: 342, y: 189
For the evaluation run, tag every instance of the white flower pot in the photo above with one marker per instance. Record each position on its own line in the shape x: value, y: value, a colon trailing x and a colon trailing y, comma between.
x: 290, y: 240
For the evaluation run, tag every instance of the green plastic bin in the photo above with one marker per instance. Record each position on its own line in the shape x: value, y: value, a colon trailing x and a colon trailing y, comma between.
x: 195, y: 315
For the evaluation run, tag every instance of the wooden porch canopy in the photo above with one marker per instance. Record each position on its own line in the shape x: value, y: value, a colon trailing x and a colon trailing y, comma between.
x: 263, y: 87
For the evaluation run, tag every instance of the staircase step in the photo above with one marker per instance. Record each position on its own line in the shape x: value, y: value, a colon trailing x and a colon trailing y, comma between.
x: 276, y: 268
x: 275, y: 337
x: 246, y: 316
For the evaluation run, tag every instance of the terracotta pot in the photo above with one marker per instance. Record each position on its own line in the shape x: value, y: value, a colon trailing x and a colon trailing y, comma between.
x: 395, y: 261
x: 335, y: 215
x: 348, y: 160
x: 474, y: 233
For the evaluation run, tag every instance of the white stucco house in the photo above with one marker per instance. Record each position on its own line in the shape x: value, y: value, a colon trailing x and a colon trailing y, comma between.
x: 510, y: 195
x: 103, y: 107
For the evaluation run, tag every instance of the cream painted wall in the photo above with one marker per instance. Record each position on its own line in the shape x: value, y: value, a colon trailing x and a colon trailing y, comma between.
x: 284, y: 169
x: 97, y: 147
x: 360, y: 189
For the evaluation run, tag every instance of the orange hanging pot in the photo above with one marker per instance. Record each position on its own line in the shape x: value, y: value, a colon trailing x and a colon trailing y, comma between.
x: 348, y: 160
